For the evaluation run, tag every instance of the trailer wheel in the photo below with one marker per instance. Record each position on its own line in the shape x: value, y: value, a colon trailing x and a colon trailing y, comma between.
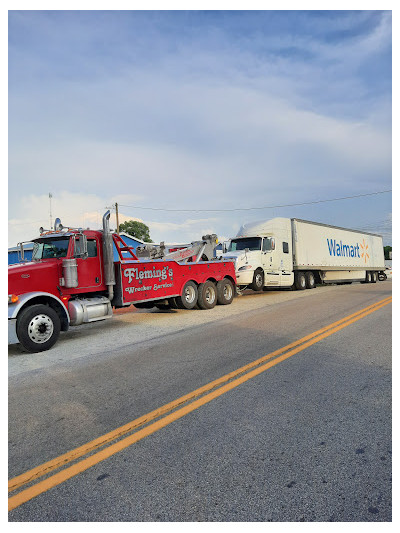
x: 207, y: 297
x: 368, y: 277
x: 225, y: 291
x: 38, y: 328
x: 258, y: 280
x: 188, y: 298
x: 310, y: 280
x: 300, y: 281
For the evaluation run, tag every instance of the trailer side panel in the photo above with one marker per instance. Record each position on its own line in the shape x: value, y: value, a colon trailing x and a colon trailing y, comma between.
x: 329, y: 248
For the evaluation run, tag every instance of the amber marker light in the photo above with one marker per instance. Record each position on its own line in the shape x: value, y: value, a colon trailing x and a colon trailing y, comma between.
x: 12, y: 298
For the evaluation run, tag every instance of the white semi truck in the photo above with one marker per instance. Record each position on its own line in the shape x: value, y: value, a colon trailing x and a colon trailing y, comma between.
x: 289, y: 252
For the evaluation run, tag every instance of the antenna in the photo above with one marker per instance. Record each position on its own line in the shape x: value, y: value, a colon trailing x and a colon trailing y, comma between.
x: 50, y: 197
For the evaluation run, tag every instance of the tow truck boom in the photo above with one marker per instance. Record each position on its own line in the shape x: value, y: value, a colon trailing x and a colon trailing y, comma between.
x: 201, y: 250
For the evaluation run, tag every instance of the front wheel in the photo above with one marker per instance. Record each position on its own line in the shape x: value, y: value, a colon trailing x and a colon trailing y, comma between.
x: 225, y: 291
x: 38, y: 328
x: 258, y: 281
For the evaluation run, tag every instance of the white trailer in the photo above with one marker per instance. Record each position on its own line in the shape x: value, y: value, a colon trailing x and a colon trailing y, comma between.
x: 284, y: 252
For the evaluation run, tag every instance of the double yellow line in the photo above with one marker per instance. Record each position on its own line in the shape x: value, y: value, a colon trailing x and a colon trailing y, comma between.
x: 113, y: 442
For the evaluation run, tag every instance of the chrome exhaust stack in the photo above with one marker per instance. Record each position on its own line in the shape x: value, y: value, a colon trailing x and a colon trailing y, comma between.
x: 109, y: 274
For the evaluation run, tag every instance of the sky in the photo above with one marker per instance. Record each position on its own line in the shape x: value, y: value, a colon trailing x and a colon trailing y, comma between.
x: 196, y: 122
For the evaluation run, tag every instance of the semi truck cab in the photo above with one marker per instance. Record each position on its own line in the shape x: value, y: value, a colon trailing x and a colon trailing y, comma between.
x: 262, y: 255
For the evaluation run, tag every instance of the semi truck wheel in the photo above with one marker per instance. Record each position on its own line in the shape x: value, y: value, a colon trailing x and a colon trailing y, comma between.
x: 258, y: 281
x: 38, y: 328
x: 300, y: 281
x: 225, y: 291
x: 310, y: 280
x: 207, y: 297
x: 188, y: 298
x: 374, y: 277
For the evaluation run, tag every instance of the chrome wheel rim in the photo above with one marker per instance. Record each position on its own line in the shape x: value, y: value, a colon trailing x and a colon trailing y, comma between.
x: 210, y: 295
x: 227, y: 291
x: 40, y: 329
x: 190, y: 295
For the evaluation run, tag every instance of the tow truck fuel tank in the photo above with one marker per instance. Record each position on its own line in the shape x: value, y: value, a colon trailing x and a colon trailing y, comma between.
x: 83, y: 310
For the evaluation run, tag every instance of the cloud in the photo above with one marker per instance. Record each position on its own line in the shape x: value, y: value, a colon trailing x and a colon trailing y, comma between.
x: 195, y: 110
x: 33, y: 211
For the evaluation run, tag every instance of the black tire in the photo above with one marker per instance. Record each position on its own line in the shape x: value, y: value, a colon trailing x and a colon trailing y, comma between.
x: 207, y: 296
x: 300, y: 281
x: 374, y: 277
x: 258, y: 280
x: 225, y: 291
x: 382, y: 276
x: 310, y: 280
x: 368, y: 277
x: 188, y: 298
x: 38, y: 328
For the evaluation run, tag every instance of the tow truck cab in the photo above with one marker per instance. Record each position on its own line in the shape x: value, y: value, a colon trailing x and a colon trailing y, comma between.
x: 63, y: 284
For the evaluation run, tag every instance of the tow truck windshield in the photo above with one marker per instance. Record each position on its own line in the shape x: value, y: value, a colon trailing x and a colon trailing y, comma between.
x: 50, y: 248
x: 252, y: 243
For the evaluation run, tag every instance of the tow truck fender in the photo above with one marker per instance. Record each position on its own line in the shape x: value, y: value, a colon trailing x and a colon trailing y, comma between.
x: 14, y: 309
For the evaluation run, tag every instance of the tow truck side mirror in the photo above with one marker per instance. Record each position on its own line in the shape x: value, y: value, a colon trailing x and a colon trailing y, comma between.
x: 80, y: 246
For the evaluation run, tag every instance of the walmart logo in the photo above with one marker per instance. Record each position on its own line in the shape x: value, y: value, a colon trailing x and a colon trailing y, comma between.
x: 338, y: 249
x: 364, y: 248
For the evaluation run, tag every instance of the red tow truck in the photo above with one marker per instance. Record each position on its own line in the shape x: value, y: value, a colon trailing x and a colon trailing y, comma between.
x: 73, y: 279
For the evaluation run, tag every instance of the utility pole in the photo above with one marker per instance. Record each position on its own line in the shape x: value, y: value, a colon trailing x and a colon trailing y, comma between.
x: 51, y: 219
x: 116, y: 214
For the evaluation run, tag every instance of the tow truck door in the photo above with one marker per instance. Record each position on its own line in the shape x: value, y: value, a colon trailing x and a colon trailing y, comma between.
x: 90, y: 275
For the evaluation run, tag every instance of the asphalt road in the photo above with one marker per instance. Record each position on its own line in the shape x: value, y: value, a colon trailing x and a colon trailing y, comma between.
x: 308, y: 439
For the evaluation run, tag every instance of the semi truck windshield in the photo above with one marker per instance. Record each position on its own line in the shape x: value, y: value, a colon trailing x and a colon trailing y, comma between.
x: 50, y: 248
x: 252, y: 243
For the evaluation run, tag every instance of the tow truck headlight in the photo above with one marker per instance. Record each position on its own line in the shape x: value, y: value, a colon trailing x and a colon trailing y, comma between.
x: 12, y: 298
x: 245, y: 267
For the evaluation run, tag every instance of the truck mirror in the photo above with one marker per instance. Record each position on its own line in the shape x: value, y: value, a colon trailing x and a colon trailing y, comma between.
x: 225, y: 246
x: 272, y: 244
x: 80, y: 246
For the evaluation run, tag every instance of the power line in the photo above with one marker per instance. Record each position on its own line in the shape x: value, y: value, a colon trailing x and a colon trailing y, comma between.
x: 256, y: 208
